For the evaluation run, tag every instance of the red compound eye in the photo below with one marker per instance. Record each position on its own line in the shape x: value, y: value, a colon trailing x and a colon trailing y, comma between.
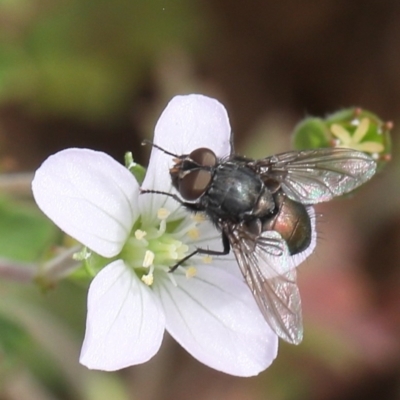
x: 203, y: 157
x: 194, y: 184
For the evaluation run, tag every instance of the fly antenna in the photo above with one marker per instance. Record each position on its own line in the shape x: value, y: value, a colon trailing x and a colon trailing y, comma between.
x: 146, y: 141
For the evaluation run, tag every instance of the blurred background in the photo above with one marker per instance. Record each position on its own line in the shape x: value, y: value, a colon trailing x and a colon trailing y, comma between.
x: 98, y: 73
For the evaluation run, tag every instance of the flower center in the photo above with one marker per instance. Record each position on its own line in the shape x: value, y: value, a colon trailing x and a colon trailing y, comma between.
x: 159, y: 246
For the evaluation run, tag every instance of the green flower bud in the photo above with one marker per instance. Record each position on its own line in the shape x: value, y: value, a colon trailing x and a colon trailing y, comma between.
x: 137, y: 170
x: 352, y: 128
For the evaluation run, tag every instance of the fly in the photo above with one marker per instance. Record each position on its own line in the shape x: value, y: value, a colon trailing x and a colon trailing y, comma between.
x: 263, y: 209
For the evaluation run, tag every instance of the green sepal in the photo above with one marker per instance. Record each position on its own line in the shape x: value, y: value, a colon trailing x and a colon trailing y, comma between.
x: 311, y: 133
x: 92, y: 263
x: 137, y: 170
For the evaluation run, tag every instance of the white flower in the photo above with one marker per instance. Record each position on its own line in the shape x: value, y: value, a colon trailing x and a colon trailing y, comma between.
x: 205, y: 306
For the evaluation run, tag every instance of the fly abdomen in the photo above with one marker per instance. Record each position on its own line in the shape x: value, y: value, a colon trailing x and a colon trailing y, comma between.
x: 292, y: 222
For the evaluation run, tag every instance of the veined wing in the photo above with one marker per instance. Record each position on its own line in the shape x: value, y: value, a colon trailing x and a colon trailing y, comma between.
x: 314, y: 176
x: 263, y: 261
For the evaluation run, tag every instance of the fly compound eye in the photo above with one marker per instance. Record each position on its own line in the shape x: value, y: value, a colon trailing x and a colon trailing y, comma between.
x: 204, y: 157
x: 194, y: 184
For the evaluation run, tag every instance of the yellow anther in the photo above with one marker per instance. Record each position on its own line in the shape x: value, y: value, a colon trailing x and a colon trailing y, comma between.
x: 194, y: 233
x: 199, y: 217
x: 148, y: 259
x: 207, y: 259
x: 148, y: 279
x: 139, y: 234
x: 191, y: 272
x: 163, y: 213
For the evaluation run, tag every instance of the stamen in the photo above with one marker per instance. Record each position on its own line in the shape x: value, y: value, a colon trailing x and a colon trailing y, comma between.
x: 163, y: 213
x: 191, y: 272
x: 183, y: 248
x: 154, y: 247
x: 172, y: 279
x: 177, y: 250
x: 173, y: 255
x: 199, y: 217
x: 139, y: 234
x: 184, y: 228
x: 148, y: 279
x: 162, y: 228
x: 193, y: 233
x: 148, y: 259
x: 207, y: 259
x: 154, y: 233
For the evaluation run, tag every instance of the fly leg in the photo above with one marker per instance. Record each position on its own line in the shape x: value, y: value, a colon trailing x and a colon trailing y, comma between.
x: 224, y: 252
x: 194, y: 207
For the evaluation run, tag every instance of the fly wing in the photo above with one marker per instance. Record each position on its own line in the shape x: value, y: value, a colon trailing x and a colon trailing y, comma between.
x: 263, y: 261
x: 314, y: 176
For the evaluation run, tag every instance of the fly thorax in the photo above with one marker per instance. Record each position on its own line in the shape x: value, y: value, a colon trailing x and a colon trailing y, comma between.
x: 265, y: 204
x: 234, y: 191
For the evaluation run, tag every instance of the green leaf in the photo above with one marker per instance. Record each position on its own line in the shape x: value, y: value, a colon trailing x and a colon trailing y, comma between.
x: 14, y: 339
x: 24, y: 231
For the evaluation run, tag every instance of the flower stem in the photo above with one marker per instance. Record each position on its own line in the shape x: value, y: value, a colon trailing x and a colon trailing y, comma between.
x: 17, y: 271
x: 18, y: 184
x: 60, y: 266
x: 46, y: 274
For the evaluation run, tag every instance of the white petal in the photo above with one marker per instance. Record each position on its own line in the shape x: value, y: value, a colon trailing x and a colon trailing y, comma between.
x: 187, y: 123
x: 193, y: 121
x: 297, y: 259
x: 89, y: 196
x: 215, y: 318
x: 125, y: 322
x: 208, y: 236
x: 211, y: 238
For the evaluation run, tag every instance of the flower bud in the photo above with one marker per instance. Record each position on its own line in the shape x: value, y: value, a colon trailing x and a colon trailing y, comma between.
x: 351, y: 128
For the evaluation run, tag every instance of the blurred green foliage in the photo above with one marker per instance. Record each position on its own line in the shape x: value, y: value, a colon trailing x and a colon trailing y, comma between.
x: 24, y: 231
x: 13, y: 339
x: 85, y: 58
